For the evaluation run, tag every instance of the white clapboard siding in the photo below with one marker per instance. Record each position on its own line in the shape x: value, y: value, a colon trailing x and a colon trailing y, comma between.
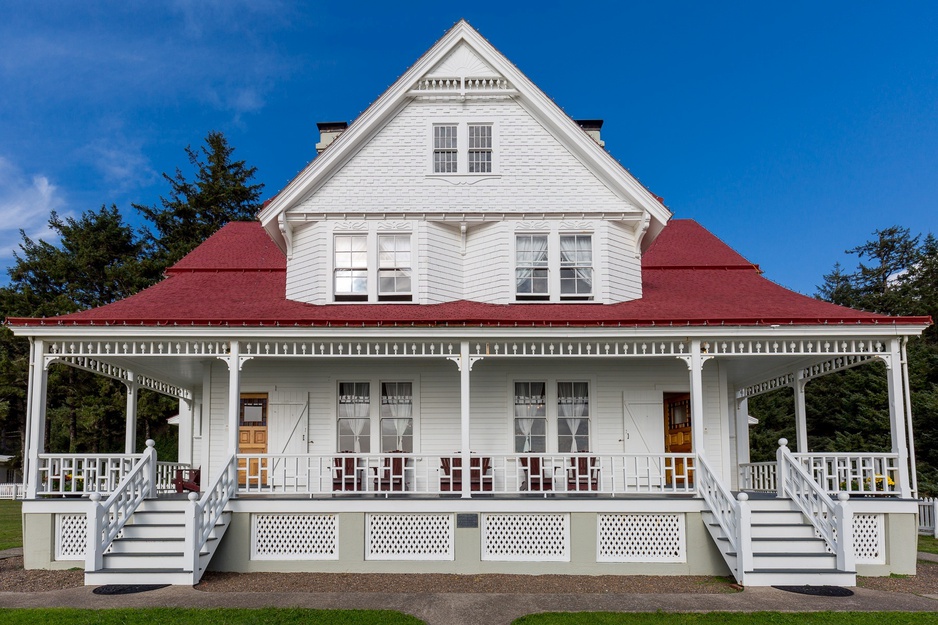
x: 440, y: 265
x: 488, y: 263
x: 621, y: 277
x: 308, y: 277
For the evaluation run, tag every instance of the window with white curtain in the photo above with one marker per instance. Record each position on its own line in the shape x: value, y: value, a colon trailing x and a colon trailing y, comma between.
x: 554, y: 266
x: 354, y: 417
x: 576, y: 266
x: 531, y: 266
x: 397, y: 417
x: 530, y: 415
x: 573, y: 417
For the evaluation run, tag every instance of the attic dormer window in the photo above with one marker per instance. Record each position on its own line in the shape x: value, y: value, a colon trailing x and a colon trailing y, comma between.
x: 463, y: 148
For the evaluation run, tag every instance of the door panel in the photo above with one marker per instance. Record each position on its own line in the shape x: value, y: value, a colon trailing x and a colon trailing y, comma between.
x: 252, y: 439
x: 677, y: 435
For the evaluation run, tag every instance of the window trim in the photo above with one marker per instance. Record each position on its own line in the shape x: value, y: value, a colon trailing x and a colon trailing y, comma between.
x: 374, y: 408
x: 462, y: 125
x: 553, y: 295
x: 552, y: 414
x: 372, y: 232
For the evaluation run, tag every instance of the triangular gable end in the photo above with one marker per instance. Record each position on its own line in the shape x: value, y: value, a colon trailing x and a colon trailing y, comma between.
x: 462, y: 56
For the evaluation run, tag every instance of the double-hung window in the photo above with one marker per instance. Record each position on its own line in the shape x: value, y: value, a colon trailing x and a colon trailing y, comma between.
x: 554, y: 267
x: 540, y: 418
x: 463, y: 148
x: 394, y: 417
x: 373, y: 266
x: 573, y: 417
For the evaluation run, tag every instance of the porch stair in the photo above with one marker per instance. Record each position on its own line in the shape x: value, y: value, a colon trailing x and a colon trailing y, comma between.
x: 151, y: 548
x: 786, y: 549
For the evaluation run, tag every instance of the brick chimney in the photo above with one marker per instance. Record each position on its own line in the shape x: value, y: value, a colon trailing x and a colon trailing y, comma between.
x: 592, y: 128
x: 329, y: 132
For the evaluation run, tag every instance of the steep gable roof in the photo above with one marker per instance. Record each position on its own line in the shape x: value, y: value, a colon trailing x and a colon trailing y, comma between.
x: 462, y: 51
x: 690, y: 277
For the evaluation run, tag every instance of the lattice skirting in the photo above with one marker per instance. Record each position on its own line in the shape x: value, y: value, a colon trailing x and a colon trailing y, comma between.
x: 869, y: 538
x: 294, y: 537
x: 409, y: 537
x: 71, y: 536
x: 526, y: 537
x: 641, y: 538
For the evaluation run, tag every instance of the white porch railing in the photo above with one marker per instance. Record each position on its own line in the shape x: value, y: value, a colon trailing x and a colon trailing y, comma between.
x: 80, y: 474
x: 733, y: 515
x: 833, y: 521
x: 855, y: 474
x: 610, y: 474
x: 106, y: 520
x: 165, y: 473
x: 202, y: 514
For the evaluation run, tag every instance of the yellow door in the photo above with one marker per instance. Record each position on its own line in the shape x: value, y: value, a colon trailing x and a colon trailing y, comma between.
x: 677, y: 437
x: 252, y: 439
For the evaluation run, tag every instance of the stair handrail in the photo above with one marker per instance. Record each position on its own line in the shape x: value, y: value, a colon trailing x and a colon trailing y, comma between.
x: 106, y: 520
x: 203, y: 513
x: 832, y: 520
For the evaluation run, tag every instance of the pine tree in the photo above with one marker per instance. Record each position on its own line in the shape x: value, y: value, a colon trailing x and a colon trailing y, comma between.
x: 221, y: 192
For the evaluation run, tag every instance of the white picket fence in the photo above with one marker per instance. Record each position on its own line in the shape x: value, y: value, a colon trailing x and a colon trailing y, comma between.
x: 11, y: 491
x: 927, y: 513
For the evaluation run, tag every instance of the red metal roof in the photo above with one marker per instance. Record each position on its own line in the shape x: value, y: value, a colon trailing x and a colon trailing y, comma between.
x: 689, y: 277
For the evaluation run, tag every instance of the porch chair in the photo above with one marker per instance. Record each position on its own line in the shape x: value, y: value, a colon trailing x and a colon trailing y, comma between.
x: 187, y: 480
x: 345, y: 474
x: 537, y: 477
x: 390, y: 477
x: 480, y: 479
x: 583, y: 474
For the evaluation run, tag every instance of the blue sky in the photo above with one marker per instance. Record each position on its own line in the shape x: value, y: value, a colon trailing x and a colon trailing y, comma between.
x: 791, y: 130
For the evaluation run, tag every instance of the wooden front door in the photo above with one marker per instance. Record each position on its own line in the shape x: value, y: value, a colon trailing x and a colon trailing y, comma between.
x: 677, y: 437
x: 252, y: 439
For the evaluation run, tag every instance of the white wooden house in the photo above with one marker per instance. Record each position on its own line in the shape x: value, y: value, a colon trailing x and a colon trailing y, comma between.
x: 465, y: 277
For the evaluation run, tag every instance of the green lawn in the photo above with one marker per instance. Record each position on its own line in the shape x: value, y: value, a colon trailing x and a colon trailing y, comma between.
x: 11, y: 524
x: 180, y: 616
x: 928, y: 544
x: 731, y: 618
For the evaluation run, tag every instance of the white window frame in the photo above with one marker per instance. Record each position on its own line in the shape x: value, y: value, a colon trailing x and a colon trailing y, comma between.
x: 462, y: 125
x: 553, y: 294
x: 374, y: 413
x: 552, y: 412
x: 371, y: 232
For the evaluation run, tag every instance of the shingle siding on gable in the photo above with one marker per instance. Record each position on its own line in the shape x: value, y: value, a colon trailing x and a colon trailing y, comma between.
x: 389, y: 174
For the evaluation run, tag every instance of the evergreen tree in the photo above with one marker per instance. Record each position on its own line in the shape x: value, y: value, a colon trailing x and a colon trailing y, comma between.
x: 221, y: 192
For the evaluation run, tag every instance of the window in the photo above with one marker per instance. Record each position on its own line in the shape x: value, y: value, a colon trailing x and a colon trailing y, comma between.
x: 576, y: 266
x: 463, y: 148
x: 445, y: 149
x: 373, y: 266
x: 397, y: 422
x: 554, y: 267
x: 480, y: 149
x: 394, y: 266
x: 351, y: 267
x: 390, y: 420
x: 354, y: 416
x: 573, y: 417
x: 531, y: 270
x: 530, y: 417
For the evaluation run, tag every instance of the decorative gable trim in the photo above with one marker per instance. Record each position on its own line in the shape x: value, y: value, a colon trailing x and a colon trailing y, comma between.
x: 463, y: 50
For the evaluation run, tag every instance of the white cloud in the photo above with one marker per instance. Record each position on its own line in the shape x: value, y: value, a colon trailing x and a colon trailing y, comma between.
x: 25, y: 204
x: 122, y: 163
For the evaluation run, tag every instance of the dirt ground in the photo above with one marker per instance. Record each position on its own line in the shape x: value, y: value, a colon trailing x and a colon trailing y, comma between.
x: 14, y: 579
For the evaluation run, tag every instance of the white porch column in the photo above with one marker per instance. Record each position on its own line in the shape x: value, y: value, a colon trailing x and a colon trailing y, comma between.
x: 908, y: 416
x: 184, y: 433
x: 36, y: 417
x: 897, y: 416
x: 801, y: 419
x: 130, y: 436
x: 464, y: 369
x: 234, y: 395
x: 696, y: 397
x: 742, y: 431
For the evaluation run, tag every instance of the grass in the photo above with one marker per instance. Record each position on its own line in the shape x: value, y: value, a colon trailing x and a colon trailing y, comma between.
x: 220, y: 616
x: 928, y: 544
x: 730, y: 618
x: 11, y: 524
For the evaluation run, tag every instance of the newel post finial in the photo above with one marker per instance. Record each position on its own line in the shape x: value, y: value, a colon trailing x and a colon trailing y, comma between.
x: 783, y: 442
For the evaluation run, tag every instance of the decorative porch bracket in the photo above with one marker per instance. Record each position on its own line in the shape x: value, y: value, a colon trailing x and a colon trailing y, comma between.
x: 806, y: 374
x: 122, y: 374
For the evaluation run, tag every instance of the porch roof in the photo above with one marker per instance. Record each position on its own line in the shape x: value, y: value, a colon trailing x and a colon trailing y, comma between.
x: 689, y: 278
